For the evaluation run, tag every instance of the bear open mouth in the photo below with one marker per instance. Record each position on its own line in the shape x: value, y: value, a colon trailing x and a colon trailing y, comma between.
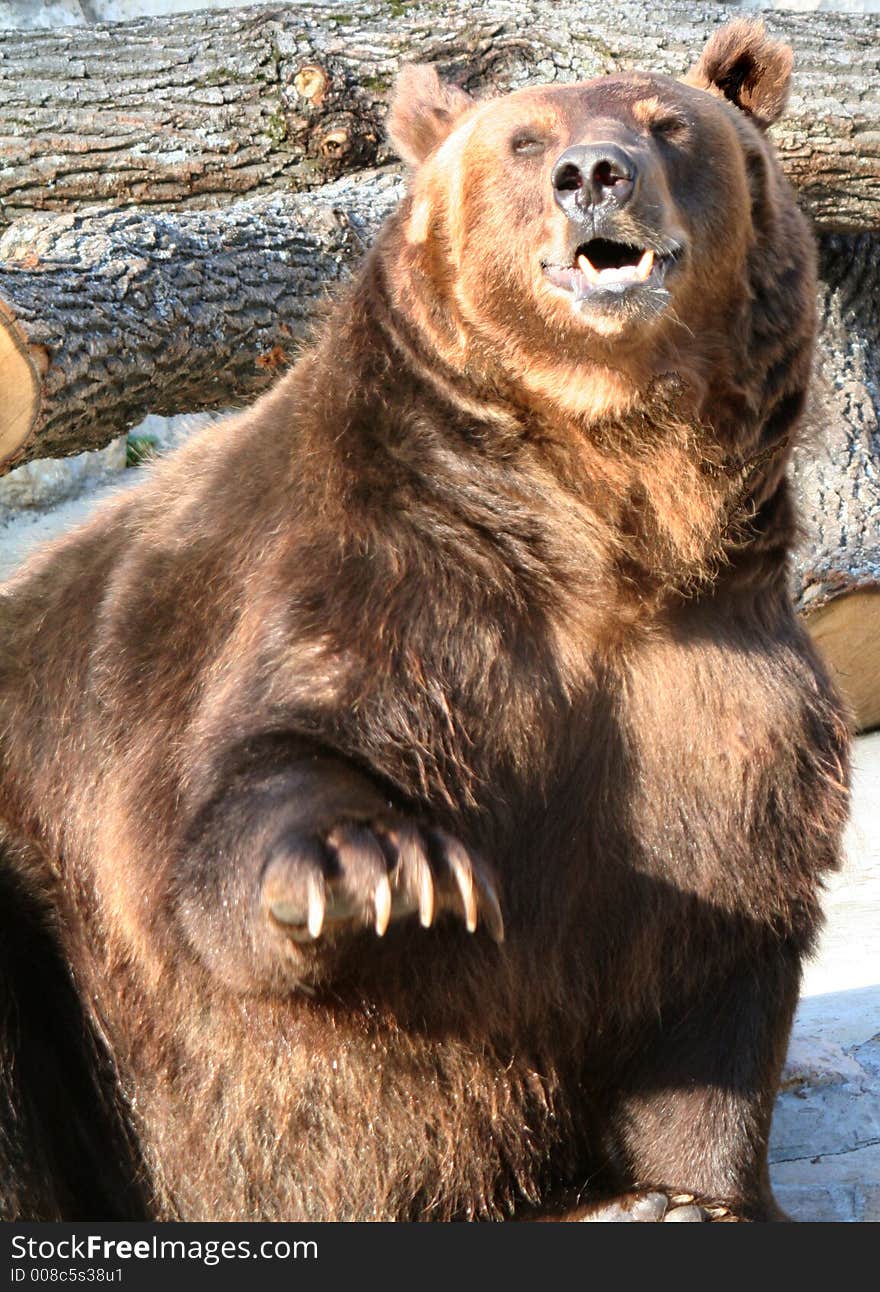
x: 602, y: 265
x: 602, y: 261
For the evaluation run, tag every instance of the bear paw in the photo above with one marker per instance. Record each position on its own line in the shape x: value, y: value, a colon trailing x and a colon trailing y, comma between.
x: 654, y: 1207
x: 371, y: 873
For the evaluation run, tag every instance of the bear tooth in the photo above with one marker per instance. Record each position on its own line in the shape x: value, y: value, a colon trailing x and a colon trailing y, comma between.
x: 382, y: 903
x: 317, y: 908
x: 645, y: 265
x: 587, y: 269
x: 426, y: 898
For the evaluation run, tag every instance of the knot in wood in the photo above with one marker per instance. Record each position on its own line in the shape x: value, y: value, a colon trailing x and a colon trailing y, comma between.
x: 335, y: 144
x: 311, y: 83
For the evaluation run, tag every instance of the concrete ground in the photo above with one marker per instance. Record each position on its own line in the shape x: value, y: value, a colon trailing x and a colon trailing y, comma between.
x: 825, y: 1148
x: 25, y: 530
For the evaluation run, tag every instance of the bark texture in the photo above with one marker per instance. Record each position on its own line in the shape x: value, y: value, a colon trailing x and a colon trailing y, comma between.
x: 116, y: 314
x: 837, y: 475
x: 837, y: 466
x: 203, y: 107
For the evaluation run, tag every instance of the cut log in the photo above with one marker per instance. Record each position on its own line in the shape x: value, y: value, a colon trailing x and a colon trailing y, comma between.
x: 20, y: 387
x: 847, y: 632
x: 836, y: 470
x: 200, y: 108
x: 107, y: 316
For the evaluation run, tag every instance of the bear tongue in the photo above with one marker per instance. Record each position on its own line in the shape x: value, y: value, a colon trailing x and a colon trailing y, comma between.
x: 622, y: 274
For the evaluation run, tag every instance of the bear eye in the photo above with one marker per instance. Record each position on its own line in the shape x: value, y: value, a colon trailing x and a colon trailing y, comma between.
x: 526, y: 143
x: 669, y: 126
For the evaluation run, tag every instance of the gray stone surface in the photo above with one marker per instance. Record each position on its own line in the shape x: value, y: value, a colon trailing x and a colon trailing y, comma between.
x: 825, y: 1147
x: 44, y: 499
x: 47, y: 481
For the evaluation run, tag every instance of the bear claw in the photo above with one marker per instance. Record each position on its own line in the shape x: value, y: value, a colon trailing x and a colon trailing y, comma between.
x: 374, y: 873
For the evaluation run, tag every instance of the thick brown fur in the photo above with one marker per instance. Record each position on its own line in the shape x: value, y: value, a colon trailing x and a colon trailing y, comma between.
x: 480, y: 583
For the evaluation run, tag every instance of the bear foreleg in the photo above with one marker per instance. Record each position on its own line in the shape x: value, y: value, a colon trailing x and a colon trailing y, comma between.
x: 293, y: 854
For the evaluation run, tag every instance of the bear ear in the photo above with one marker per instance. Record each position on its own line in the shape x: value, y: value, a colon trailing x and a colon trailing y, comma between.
x: 746, y: 66
x: 424, y: 111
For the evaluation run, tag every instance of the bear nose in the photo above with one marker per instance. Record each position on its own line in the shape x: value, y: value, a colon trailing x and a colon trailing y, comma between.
x: 590, y: 174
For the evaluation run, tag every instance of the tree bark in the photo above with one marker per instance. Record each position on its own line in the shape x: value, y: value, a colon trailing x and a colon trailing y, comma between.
x: 200, y: 108
x: 106, y: 316
x: 836, y: 471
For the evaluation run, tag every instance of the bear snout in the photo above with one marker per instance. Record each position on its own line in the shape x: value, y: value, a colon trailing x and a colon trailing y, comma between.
x: 587, y: 176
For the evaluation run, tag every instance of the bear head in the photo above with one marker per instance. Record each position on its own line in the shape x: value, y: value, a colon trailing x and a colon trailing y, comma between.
x: 581, y: 239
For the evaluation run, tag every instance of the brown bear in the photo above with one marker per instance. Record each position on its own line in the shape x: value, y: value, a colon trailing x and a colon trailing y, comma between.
x: 416, y: 794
